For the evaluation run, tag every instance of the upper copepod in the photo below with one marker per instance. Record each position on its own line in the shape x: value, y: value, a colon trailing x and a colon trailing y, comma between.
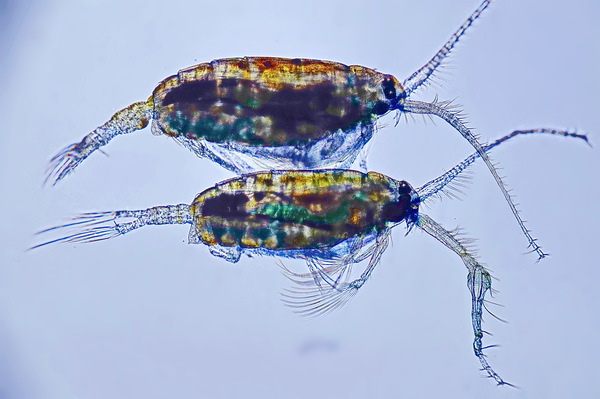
x: 276, y: 113
x: 331, y: 218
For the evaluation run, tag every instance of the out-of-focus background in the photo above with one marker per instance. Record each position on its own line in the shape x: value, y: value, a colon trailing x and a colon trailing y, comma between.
x: 148, y: 316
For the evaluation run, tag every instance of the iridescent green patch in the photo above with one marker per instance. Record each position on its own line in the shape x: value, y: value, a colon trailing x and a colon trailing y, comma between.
x: 298, y: 209
x: 291, y: 213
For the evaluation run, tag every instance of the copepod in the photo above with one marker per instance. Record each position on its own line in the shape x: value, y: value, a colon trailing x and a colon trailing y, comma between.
x: 331, y: 218
x: 256, y: 113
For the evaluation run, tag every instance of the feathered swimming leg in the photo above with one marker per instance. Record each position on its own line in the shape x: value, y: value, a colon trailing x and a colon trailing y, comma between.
x: 317, y: 299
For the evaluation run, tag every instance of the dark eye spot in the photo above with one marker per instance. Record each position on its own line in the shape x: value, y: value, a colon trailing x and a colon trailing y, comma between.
x: 389, y: 90
x: 404, y: 188
x: 381, y: 107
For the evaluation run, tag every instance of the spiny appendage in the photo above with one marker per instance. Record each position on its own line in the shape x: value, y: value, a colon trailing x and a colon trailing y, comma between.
x: 437, y: 185
x: 455, y: 120
x: 98, y: 226
x: 134, y: 117
x: 327, y: 287
x: 564, y: 133
x: 320, y: 291
x: 479, y: 282
x: 422, y: 76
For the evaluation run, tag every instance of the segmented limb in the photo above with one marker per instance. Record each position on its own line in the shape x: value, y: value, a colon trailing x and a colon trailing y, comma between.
x: 438, y: 184
x: 479, y: 282
x: 98, y: 226
x: 418, y: 107
x: 422, y: 76
x: 321, y: 292
x: 134, y: 117
x: 317, y: 293
x: 335, y: 265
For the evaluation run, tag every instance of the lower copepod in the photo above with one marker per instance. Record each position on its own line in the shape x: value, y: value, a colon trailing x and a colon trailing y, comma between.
x: 256, y: 113
x: 331, y: 218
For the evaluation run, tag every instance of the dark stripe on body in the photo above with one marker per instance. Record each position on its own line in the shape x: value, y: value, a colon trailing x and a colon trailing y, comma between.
x: 264, y: 217
x: 231, y: 109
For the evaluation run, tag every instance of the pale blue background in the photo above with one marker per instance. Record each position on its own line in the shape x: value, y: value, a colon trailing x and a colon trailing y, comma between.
x: 148, y: 316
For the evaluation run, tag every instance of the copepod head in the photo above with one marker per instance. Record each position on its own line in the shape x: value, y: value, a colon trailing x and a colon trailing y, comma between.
x: 404, y: 207
x: 413, y: 215
x: 393, y: 95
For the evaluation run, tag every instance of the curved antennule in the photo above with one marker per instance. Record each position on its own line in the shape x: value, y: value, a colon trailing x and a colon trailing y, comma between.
x: 479, y: 282
x: 98, y: 226
x: 421, y: 76
x: 454, y: 119
x: 134, y: 117
x: 438, y: 184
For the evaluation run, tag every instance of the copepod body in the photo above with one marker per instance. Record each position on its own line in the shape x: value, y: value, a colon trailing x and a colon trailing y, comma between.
x: 259, y: 112
x: 331, y: 218
x: 286, y: 113
x: 256, y: 113
x: 300, y: 210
